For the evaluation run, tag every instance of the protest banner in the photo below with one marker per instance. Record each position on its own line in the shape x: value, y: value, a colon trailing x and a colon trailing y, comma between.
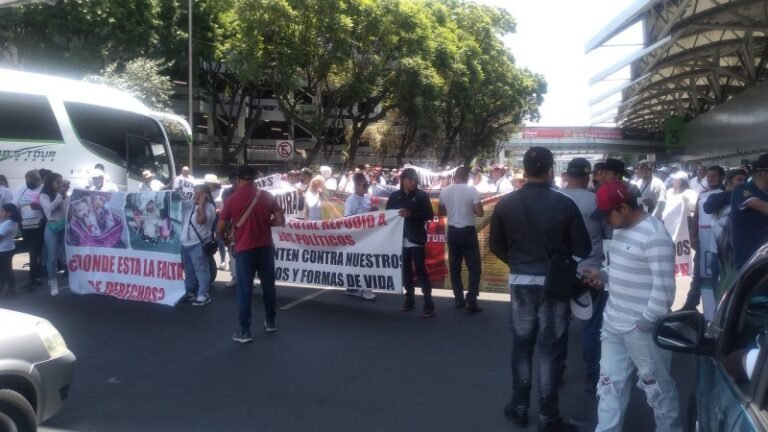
x: 352, y: 252
x: 125, y: 245
x: 675, y: 217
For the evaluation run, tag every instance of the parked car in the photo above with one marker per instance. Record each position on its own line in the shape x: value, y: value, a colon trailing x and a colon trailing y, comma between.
x: 36, y: 369
x: 732, y: 383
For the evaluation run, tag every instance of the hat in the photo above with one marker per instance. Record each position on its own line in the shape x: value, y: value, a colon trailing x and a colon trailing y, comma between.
x: 614, y: 165
x: 663, y: 169
x: 579, y: 167
x: 211, y: 178
x: 97, y: 173
x: 245, y: 172
x: 644, y: 163
x: 537, y: 159
x: 518, y: 176
x: 761, y: 164
x: 147, y: 174
x: 581, y: 306
x: 610, y: 195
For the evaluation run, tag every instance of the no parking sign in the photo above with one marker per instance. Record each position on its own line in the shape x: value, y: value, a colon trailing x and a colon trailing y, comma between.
x: 284, y: 149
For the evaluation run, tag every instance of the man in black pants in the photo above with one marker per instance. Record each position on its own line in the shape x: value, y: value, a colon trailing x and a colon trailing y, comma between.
x: 530, y: 228
x: 27, y: 198
x: 461, y: 203
x: 416, y: 208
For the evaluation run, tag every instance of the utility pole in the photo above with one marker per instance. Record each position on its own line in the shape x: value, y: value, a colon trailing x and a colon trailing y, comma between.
x: 189, y: 83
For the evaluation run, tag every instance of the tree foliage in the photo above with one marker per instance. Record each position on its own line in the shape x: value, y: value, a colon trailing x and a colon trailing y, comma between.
x: 140, y: 77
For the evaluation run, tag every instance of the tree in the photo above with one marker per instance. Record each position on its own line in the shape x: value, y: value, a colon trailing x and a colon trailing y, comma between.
x: 140, y: 77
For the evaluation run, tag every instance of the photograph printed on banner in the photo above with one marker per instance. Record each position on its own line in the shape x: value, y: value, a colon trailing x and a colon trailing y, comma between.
x: 153, y: 221
x: 94, y: 221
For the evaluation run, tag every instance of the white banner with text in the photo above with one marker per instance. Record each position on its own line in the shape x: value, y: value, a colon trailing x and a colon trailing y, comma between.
x: 361, y: 251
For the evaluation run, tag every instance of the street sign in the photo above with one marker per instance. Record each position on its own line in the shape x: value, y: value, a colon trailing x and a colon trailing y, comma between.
x: 284, y: 149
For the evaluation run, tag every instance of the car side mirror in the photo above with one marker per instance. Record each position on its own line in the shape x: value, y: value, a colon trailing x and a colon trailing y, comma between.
x: 682, y: 332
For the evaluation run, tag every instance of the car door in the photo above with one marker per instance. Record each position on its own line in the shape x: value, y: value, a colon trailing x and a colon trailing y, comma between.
x: 726, y: 397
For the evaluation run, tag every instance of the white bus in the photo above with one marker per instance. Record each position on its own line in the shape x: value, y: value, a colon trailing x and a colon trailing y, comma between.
x: 70, y: 126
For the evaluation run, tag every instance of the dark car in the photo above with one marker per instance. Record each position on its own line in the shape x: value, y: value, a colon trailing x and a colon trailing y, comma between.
x: 732, y: 383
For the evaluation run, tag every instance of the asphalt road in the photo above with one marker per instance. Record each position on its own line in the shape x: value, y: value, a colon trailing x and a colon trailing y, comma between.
x: 337, y: 363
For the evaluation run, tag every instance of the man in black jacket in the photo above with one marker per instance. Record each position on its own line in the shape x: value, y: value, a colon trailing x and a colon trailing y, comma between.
x: 528, y: 227
x: 416, y: 208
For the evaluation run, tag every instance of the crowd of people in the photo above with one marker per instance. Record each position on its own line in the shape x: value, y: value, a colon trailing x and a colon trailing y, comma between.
x: 550, y: 230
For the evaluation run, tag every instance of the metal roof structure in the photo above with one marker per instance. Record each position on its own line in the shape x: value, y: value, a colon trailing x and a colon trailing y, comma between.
x: 698, y: 54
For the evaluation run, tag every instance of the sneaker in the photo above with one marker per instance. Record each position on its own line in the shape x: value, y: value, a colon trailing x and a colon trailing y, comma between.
x: 53, y: 284
x: 269, y: 325
x: 222, y: 266
x: 407, y: 306
x: 231, y: 283
x: 518, y: 416
x: 355, y: 292
x: 242, y: 336
x: 201, y: 301
x: 474, y: 308
x: 428, y: 312
x: 369, y: 295
x: 188, y: 298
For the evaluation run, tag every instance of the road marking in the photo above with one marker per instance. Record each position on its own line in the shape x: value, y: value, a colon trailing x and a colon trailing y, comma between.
x: 303, y: 299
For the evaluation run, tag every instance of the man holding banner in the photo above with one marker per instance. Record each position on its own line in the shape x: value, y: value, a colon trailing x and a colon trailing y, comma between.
x: 416, y: 208
x: 253, y: 212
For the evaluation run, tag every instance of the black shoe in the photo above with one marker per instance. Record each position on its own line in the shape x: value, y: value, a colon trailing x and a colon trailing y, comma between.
x: 269, y: 325
x: 407, y: 305
x: 31, y: 286
x: 473, y: 308
x: 188, y: 298
x: 558, y: 425
x: 459, y: 303
x: 242, y: 336
x: 518, y: 416
x: 428, y: 311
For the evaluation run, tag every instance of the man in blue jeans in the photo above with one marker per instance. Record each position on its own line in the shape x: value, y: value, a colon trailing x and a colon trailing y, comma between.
x: 253, y: 212
x: 530, y: 226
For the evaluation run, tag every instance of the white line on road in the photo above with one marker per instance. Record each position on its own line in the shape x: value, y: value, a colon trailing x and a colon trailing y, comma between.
x: 303, y: 299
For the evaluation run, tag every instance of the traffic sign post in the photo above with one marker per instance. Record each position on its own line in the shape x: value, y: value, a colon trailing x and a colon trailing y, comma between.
x: 284, y: 149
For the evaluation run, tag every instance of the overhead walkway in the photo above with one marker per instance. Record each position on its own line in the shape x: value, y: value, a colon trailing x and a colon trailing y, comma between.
x: 584, y: 140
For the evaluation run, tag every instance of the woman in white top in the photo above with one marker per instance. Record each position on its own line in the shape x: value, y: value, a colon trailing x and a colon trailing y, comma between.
x: 54, y: 201
x: 314, y: 198
x: 357, y: 203
x: 10, y: 218
x: 196, y: 231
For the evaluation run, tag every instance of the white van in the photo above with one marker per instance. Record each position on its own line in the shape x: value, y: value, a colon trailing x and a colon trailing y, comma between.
x: 69, y: 126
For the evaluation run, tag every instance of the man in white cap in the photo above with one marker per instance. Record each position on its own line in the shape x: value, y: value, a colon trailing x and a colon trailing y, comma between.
x: 99, y: 182
x: 185, y: 183
x: 150, y: 184
x: 330, y: 182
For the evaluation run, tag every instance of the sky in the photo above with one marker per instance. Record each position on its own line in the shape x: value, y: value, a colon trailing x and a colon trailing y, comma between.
x: 550, y: 40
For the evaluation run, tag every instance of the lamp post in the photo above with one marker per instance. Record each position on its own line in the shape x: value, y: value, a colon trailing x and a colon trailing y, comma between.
x: 189, y: 83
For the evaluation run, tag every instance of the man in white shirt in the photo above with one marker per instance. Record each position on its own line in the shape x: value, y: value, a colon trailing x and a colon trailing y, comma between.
x: 185, y: 183
x: 330, y: 182
x: 501, y: 183
x: 652, y: 190
x: 479, y: 181
x: 100, y: 182
x: 461, y: 203
x: 358, y: 203
x: 699, y: 183
x: 150, y: 184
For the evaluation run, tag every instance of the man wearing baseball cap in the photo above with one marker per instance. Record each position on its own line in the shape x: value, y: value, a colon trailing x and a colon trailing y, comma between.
x: 642, y: 289
x: 529, y: 227
x: 749, y: 213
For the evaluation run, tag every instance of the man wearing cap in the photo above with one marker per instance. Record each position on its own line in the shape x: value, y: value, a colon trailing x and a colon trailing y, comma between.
x: 253, y: 212
x: 150, y: 183
x: 530, y: 228
x: 652, y: 190
x: 100, y: 183
x: 185, y: 183
x: 749, y: 213
x: 578, y: 173
x: 501, y: 183
x: 461, y: 203
x: 641, y: 278
x: 415, y: 206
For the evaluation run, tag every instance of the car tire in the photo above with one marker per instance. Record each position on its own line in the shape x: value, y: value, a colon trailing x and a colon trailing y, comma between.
x: 16, y: 411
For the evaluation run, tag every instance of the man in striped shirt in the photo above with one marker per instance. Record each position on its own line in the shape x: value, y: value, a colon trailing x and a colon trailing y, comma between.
x: 641, y: 283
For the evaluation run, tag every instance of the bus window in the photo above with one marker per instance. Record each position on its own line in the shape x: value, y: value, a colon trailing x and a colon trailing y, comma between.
x: 124, y: 138
x: 27, y: 117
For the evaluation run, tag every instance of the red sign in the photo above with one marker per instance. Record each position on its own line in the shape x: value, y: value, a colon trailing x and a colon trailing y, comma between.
x: 572, y: 132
